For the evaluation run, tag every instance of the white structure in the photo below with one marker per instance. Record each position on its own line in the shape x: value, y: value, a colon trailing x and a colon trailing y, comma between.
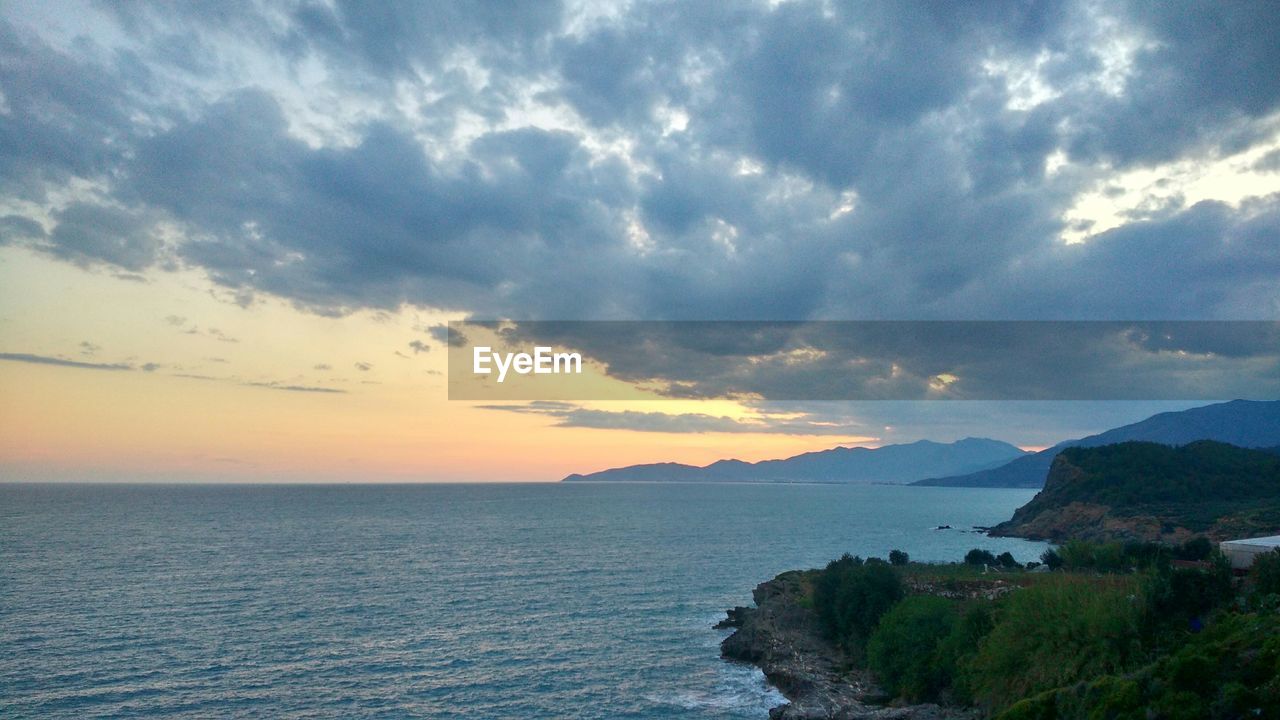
x: 1241, y: 553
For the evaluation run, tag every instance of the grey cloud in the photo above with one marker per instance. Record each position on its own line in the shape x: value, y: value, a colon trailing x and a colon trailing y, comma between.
x: 927, y: 360
x: 272, y: 385
x: 46, y: 360
x: 18, y: 229
x: 889, y: 104
x: 1026, y: 423
x: 1269, y: 162
x: 569, y: 415
x: 418, y: 346
x: 440, y: 333
x: 87, y: 233
x: 363, y: 366
x: 65, y: 116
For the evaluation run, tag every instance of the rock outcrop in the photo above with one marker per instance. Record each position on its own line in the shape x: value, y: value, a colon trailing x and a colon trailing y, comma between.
x: 784, y: 638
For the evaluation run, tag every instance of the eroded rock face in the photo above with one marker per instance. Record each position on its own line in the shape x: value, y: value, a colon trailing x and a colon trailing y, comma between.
x: 784, y: 639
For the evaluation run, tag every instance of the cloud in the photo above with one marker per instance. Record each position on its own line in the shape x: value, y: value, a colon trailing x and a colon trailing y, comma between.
x: 87, y: 233
x: 446, y: 336
x: 419, y: 347
x: 801, y: 160
x: 89, y: 349
x: 60, y: 362
x: 363, y: 366
x: 1025, y: 423
x: 911, y: 360
x: 1269, y: 162
x: 180, y: 321
x: 18, y: 229
x: 569, y: 415
x: 273, y: 385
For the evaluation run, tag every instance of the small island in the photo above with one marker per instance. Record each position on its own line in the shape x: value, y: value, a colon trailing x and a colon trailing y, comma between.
x: 1137, y: 614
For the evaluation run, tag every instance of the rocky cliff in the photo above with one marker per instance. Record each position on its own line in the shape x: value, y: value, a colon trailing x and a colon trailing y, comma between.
x: 783, y: 637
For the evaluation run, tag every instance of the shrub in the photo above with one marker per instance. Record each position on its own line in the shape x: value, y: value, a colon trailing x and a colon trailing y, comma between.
x: 1265, y: 573
x: 1197, y: 548
x: 1057, y: 632
x: 1228, y: 671
x: 1006, y: 560
x: 955, y: 651
x: 850, y: 595
x: 903, y: 649
x: 1051, y: 559
x: 1175, y: 596
x: 898, y: 557
x: 977, y: 556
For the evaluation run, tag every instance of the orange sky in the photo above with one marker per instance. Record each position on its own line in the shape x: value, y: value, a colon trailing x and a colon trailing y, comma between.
x: 392, y: 422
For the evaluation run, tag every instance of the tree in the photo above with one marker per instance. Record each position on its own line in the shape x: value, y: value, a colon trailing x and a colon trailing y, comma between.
x: 1051, y: 559
x: 978, y: 556
x: 897, y: 557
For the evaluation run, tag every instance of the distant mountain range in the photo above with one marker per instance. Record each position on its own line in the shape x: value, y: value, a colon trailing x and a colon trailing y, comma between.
x: 1243, y: 423
x: 889, y: 464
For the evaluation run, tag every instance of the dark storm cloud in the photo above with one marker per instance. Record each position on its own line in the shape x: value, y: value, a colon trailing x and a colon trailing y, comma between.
x: 809, y: 160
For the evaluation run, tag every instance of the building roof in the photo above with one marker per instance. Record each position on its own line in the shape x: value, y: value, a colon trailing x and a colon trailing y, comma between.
x: 1272, y: 541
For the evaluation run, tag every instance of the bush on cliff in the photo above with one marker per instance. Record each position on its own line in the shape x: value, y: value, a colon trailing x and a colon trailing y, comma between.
x: 851, y: 595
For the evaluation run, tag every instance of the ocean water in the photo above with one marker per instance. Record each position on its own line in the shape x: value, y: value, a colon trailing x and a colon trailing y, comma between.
x: 475, y: 601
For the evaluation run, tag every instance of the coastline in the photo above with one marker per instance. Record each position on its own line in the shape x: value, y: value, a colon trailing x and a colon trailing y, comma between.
x: 783, y: 637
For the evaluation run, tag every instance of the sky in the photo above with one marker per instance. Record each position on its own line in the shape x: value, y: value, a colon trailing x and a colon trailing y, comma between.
x: 232, y: 234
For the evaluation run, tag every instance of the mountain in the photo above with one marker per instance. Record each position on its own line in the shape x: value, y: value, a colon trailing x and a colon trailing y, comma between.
x: 1245, y: 423
x: 1150, y: 491
x: 891, y: 464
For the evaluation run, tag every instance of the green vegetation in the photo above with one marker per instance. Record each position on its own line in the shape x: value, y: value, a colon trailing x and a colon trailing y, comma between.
x: 1231, y: 670
x: 1142, y: 473
x: 903, y: 650
x: 1151, y: 491
x: 1266, y: 573
x: 1055, y: 633
x: 850, y: 595
x: 1133, y: 630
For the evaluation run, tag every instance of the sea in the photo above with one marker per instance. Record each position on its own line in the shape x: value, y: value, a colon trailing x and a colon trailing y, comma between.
x: 424, y: 601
